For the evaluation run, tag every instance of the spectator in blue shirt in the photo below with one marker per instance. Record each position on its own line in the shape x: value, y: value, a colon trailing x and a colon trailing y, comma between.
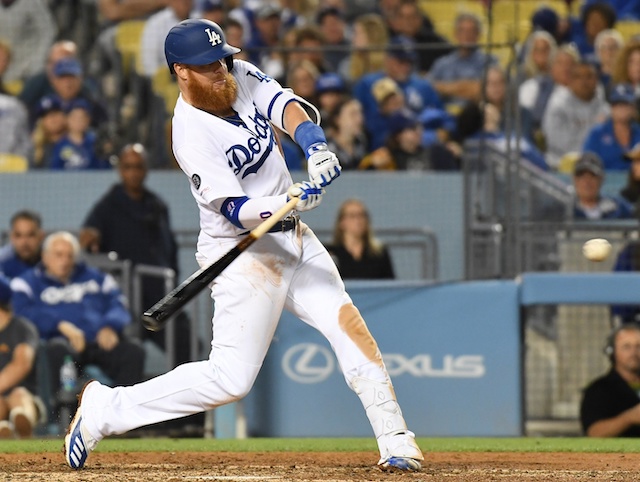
x: 25, y: 241
x: 594, y: 18
x: 631, y: 190
x: 615, y: 136
x: 399, y: 66
x: 78, y: 311
x: 457, y: 76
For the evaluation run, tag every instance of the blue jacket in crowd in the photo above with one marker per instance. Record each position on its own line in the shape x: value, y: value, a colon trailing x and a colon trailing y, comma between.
x: 602, y: 141
x: 11, y: 265
x: 91, y: 300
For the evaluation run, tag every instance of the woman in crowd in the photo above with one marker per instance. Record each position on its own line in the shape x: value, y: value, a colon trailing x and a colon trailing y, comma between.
x: 356, y: 252
x: 345, y: 135
x: 370, y: 35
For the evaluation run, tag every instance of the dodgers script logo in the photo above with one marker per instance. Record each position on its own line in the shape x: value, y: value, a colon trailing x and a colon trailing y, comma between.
x: 248, y: 159
x: 214, y: 37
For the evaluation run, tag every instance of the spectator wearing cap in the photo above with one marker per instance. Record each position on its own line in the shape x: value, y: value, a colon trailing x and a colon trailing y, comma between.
x: 418, y: 92
x: 30, y: 29
x: 266, y: 33
x: 67, y: 83
x: 50, y: 127
x: 214, y: 10
x: 545, y: 19
x: 330, y: 90
x: 345, y: 133
x: 631, y: 190
x: 408, y: 20
x: 156, y: 28
x: 334, y: 29
x: 616, y: 135
x: 572, y: 113
x: 456, y: 76
x: 590, y: 203
x: 403, y: 149
x: 77, y: 149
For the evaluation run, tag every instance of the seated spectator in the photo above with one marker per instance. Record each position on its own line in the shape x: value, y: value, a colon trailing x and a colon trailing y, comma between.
x: 607, y: 46
x: 335, y: 31
x: 215, y: 11
x: 77, y: 150
x: 310, y: 43
x: 631, y: 190
x: 51, y: 127
x: 456, y: 76
x: 627, y: 260
x: 25, y: 243
x: 616, y: 135
x: 118, y: 10
x: 590, y: 203
x: 540, y: 50
x: 627, y: 67
x: 356, y: 252
x: 302, y: 77
x: 546, y: 19
x: 370, y: 40
x: 29, y: 29
x: 610, y: 404
x: 403, y: 149
x: 156, y: 28
x: 572, y: 113
x: 594, y: 18
x: 408, y: 20
x: 265, y: 35
x: 233, y: 31
x: 330, y: 91
x: 14, y: 127
x: 19, y: 411
x: 345, y: 133
x: 5, y: 58
x: 534, y: 93
x: 79, y: 312
x: 418, y: 92
x: 40, y: 84
x: 67, y: 82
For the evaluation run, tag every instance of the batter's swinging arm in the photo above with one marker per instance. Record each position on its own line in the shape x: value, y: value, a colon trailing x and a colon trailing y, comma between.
x: 155, y: 317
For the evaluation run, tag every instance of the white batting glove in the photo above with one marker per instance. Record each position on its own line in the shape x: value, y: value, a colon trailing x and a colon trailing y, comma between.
x: 323, y: 165
x: 308, y: 193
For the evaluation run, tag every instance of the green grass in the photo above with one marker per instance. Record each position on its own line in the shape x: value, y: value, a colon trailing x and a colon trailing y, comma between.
x: 578, y: 444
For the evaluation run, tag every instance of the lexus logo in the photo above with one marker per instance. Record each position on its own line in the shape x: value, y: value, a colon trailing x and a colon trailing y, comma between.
x: 308, y: 363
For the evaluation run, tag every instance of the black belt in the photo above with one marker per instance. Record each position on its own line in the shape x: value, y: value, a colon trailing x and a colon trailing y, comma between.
x: 286, y: 224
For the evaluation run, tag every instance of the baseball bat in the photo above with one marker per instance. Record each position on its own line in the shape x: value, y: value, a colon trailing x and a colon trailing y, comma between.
x: 155, y: 317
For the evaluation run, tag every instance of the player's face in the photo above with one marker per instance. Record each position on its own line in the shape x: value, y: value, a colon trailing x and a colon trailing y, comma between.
x: 211, y: 87
x: 627, y: 351
x: 59, y: 259
x: 26, y: 238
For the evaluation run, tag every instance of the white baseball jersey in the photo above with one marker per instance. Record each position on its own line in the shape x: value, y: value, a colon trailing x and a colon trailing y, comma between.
x: 225, y: 159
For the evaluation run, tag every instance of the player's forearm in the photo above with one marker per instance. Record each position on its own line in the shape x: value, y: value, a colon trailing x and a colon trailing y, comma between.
x: 294, y: 115
x: 247, y: 213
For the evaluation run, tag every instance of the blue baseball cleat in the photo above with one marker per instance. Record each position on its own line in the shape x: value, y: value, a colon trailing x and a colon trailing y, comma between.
x: 77, y: 442
x: 401, y: 463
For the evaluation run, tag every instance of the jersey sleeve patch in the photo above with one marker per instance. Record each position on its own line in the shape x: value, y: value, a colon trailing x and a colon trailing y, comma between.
x: 195, y: 179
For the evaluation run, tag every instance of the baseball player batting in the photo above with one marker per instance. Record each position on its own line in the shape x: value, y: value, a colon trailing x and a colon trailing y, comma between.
x: 224, y: 142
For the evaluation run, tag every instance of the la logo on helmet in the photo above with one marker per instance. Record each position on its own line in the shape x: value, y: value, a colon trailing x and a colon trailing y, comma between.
x: 214, y: 37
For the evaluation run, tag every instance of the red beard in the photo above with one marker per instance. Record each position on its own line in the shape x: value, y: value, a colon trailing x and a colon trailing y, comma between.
x: 205, y: 96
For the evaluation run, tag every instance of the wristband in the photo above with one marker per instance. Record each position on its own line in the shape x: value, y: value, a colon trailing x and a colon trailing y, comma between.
x: 310, y: 137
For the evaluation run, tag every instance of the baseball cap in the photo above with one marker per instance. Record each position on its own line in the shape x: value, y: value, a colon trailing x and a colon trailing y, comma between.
x: 267, y: 10
x: 589, y: 162
x: 5, y: 290
x: 67, y: 66
x: 330, y: 82
x: 328, y: 11
x: 622, y: 94
x: 79, y: 103
x: 402, y: 120
x: 383, y: 88
x: 402, y: 48
x: 209, y: 5
x: 48, y: 104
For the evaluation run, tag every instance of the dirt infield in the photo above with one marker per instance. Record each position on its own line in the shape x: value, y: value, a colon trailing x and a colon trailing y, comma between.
x: 321, y: 467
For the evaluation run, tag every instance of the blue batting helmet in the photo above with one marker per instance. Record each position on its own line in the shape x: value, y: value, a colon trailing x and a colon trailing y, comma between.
x: 197, y: 42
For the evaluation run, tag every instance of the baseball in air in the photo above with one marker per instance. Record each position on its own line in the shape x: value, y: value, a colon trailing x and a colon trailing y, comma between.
x: 597, y: 249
